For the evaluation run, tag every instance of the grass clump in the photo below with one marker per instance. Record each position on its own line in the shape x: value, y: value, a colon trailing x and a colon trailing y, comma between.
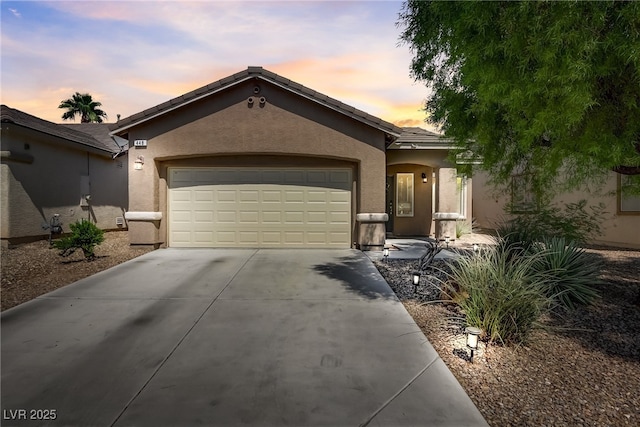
x: 85, y: 235
x: 570, y: 273
x: 498, y: 293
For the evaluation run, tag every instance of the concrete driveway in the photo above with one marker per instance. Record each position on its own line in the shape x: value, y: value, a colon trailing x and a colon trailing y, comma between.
x: 182, y: 337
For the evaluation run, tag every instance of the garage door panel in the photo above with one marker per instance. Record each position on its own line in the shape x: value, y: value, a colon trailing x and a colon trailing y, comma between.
x: 272, y: 196
x: 226, y: 196
x: 227, y: 217
x: 272, y: 217
x: 293, y: 218
x: 203, y: 217
x: 224, y: 207
x: 294, y: 238
x: 248, y: 217
x: 317, y: 217
x: 293, y: 196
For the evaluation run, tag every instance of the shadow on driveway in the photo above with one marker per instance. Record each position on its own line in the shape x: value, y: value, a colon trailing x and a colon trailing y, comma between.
x: 358, y: 275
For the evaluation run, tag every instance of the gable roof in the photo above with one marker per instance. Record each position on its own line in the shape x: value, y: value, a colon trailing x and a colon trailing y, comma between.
x: 85, y: 140
x: 418, y: 138
x: 256, y: 72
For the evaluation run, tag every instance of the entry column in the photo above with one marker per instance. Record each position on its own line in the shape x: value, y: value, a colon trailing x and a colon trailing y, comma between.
x: 446, y: 212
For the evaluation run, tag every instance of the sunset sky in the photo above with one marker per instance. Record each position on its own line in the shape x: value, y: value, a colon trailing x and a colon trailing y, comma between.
x: 132, y: 55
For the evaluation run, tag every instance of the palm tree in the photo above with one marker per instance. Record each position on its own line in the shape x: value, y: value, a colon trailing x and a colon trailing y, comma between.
x: 82, y: 104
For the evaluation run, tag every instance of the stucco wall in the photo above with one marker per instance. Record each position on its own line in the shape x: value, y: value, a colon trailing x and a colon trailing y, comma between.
x: 618, y: 230
x: 287, y: 129
x: 52, y: 184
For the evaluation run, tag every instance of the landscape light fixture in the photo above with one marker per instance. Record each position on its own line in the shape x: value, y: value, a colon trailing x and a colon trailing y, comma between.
x: 385, y: 253
x: 446, y: 240
x: 473, y: 334
x: 424, y: 177
x: 416, y: 281
x: 476, y: 248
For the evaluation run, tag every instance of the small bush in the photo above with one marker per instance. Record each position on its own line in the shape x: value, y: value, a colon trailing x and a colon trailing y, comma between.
x: 575, y: 222
x: 570, y: 272
x: 498, y: 293
x: 85, y: 235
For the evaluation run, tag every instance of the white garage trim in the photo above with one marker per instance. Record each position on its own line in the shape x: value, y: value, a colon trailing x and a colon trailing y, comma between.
x: 260, y: 207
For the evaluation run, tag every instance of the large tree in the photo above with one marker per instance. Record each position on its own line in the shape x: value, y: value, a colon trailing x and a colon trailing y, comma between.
x: 83, y: 105
x: 541, y: 87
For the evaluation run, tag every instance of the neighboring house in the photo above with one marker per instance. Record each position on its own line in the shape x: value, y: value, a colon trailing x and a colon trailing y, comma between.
x: 73, y: 171
x: 257, y: 160
x: 620, y: 226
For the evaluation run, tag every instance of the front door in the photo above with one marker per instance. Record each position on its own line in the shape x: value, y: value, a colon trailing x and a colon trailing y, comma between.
x: 390, y: 197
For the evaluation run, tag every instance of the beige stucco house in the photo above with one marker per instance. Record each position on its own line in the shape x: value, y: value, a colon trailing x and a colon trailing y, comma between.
x: 73, y: 171
x: 257, y: 160
x: 253, y: 160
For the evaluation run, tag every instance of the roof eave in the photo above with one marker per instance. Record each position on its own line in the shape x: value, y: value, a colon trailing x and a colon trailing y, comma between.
x: 86, y: 147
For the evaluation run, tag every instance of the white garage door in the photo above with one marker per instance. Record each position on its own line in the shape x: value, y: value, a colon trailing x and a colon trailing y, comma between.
x: 259, y: 207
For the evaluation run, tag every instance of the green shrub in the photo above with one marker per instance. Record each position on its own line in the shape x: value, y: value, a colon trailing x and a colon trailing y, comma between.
x: 498, y: 293
x: 85, y: 235
x: 575, y: 222
x: 570, y: 272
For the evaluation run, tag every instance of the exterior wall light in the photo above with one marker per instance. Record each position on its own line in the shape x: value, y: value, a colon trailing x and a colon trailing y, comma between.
x: 416, y: 281
x: 424, y: 177
x: 137, y: 164
x: 473, y: 334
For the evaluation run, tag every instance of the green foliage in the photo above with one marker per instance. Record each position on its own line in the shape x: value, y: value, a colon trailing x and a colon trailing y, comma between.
x: 498, y: 293
x: 82, y: 104
x: 570, y: 273
x: 463, y: 227
x: 542, y: 87
x: 575, y: 222
x: 85, y: 235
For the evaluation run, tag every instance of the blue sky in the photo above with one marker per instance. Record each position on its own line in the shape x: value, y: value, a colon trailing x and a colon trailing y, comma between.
x: 132, y: 55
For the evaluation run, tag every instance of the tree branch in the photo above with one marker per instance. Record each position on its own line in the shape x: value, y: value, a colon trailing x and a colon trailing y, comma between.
x: 627, y: 170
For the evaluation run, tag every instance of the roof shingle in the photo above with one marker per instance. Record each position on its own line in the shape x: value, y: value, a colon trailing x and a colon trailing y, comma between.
x: 92, y: 135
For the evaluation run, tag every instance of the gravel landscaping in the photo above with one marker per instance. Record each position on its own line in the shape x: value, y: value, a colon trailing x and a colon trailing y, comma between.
x: 581, y: 369
x: 33, y: 269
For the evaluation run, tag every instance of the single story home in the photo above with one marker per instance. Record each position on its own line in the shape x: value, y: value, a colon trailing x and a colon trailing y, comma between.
x: 254, y: 160
x: 54, y: 174
x: 257, y: 160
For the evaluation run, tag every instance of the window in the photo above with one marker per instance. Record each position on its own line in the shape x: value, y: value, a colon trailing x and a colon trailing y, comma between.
x: 404, y: 194
x: 523, y: 198
x: 461, y: 188
x: 628, y: 204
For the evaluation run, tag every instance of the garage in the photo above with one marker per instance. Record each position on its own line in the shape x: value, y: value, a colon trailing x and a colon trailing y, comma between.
x: 260, y: 207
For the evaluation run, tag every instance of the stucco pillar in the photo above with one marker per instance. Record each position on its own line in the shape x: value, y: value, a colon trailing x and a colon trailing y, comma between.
x: 372, y: 231
x: 144, y: 217
x: 446, y: 211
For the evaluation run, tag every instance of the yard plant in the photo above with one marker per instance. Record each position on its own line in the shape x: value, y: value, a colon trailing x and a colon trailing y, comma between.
x: 85, y: 235
x: 570, y: 274
x: 498, y: 293
x: 534, y: 269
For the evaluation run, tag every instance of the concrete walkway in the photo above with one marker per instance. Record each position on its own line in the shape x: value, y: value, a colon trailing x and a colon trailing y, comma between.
x: 226, y: 337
